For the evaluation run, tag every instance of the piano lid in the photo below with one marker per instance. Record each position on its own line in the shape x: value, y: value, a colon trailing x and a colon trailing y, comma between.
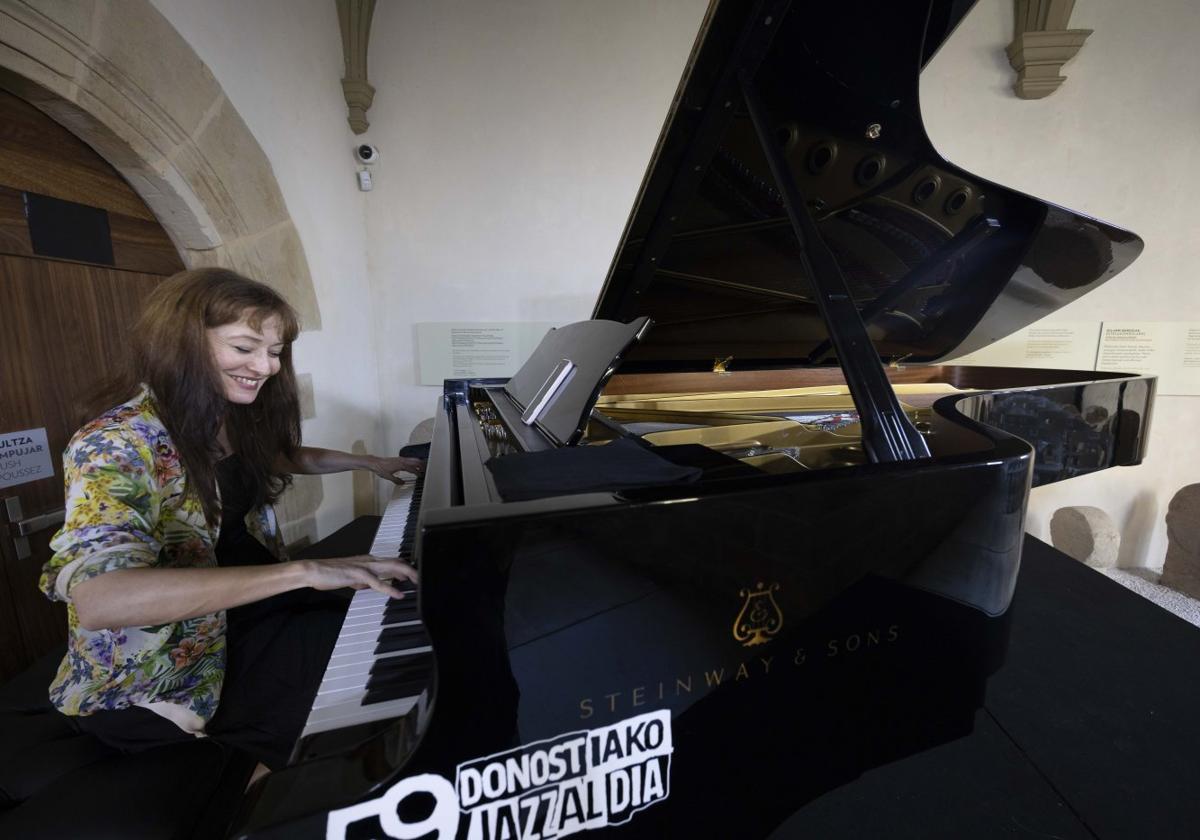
x: 937, y: 260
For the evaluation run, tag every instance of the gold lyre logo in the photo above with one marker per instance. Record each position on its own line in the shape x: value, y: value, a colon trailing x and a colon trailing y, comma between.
x: 760, y: 617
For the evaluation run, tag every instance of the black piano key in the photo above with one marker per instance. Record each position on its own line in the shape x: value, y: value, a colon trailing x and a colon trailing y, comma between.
x: 391, y: 689
x: 394, y: 692
x: 401, y: 638
x: 402, y: 632
x: 398, y: 666
x: 399, y: 676
x: 398, y: 611
x: 414, y: 672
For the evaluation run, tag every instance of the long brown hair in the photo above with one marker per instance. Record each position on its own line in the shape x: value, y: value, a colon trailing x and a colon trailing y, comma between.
x: 170, y: 352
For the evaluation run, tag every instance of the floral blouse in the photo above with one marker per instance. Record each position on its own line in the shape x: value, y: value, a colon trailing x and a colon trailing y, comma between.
x: 126, y: 508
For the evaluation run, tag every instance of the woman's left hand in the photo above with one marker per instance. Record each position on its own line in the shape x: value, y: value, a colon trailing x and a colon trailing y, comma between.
x: 388, y: 467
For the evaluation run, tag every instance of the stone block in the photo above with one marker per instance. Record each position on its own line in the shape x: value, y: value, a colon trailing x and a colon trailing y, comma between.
x: 34, y: 55
x: 75, y: 16
x: 1181, y: 569
x: 301, y: 499
x: 230, y: 152
x: 422, y: 432
x: 283, y: 266
x: 122, y: 108
x: 204, y: 258
x: 308, y: 400
x: 299, y: 535
x: 136, y: 40
x: 1087, y: 534
x: 362, y: 484
x: 275, y: 258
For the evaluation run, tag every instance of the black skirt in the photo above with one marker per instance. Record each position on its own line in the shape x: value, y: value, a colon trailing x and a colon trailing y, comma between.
x: 276, y: 652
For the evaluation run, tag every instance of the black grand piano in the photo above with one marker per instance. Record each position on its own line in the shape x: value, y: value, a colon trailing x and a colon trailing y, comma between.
x: 739, y: 538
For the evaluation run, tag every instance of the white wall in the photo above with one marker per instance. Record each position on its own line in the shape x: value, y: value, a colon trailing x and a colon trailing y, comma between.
x: 514, y: 136
x: 280, y: 64
x: 1116, y: 141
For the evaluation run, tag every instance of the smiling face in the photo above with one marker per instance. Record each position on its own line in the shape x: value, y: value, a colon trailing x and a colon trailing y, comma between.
x: 246, y: 356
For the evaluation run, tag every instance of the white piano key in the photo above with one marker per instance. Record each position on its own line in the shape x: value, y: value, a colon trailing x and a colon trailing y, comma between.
x: 368, y: 656
x: 391, y: 527
x: 362, y: 664
x: 338, y: 717
x: 354, y: 635
x: 356, y: 679
x: 339, y: 699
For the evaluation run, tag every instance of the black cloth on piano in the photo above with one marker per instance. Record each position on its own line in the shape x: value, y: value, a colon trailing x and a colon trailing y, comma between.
x: 622, y: 463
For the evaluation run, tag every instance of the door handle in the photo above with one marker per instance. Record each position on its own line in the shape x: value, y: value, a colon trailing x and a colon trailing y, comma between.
x: 39, y: 523
x: 20, y: 528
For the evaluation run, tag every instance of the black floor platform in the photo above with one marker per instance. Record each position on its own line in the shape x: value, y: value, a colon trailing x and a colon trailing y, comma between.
x: 1091, y: 729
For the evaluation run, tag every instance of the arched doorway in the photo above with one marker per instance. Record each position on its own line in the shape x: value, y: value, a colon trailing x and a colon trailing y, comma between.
x: 78, y: 251
x: 122, y: 80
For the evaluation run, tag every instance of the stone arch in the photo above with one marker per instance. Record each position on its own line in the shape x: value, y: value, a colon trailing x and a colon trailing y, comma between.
x: 120, y: 78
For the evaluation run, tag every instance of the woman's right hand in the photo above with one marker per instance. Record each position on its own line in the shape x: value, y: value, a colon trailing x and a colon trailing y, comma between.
x: 148, y: 596
x: 359, y: 572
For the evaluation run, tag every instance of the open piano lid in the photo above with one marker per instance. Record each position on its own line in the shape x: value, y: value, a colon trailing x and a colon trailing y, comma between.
x: 936, y: 260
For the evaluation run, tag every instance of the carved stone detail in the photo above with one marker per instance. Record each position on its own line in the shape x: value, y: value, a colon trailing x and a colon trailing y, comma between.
x: 354, y: 18
x: 1042, y: 45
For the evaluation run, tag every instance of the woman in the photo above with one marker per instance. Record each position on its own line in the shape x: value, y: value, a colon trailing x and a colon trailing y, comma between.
x: 182, y: 619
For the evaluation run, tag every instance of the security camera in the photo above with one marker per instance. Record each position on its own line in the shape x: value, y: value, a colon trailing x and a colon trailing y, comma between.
x: 366, y: 153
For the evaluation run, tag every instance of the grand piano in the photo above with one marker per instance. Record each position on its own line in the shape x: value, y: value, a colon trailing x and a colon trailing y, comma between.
x: 740, y: 537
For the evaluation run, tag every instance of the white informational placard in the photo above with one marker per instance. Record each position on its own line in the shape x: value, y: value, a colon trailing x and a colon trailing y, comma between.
x: 24, y: 457
x: 1061, y: 345
x: 455, y: 350
x: 1168, y: 349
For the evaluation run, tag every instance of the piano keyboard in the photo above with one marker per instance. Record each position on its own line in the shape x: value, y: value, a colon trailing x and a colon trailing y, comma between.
x: 381, y: 662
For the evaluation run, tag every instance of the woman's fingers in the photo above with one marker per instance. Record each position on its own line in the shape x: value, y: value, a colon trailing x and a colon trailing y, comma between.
x: 380, y: 585
x: 359, y: 573
x: 366, y: 577
x: 382, y: 572
x: 388, y: 467
x: 396, y: 569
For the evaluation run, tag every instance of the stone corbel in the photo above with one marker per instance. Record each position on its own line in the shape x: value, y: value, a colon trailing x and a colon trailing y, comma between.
x: 1042, y: 45
x: 354, y: 18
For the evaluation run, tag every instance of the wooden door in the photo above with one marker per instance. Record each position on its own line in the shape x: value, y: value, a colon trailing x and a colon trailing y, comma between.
x: 63, y: 327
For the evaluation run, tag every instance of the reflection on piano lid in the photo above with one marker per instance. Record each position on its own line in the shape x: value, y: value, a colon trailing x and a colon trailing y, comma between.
x: 832, y: 593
